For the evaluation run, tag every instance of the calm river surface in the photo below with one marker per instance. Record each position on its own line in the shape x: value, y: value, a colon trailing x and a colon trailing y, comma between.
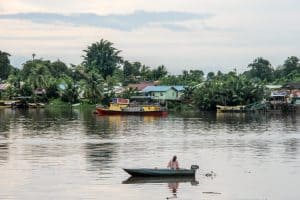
x: 65, y: 154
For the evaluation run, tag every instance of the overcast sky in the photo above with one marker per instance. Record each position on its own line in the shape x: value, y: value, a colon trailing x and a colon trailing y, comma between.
x: 209, y: 35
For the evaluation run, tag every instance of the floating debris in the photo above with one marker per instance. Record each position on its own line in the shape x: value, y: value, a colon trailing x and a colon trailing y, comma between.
x: 210, y: 174
x: 211, y: 193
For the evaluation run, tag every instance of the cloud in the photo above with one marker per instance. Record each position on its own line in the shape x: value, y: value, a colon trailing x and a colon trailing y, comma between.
x: 123, y: 22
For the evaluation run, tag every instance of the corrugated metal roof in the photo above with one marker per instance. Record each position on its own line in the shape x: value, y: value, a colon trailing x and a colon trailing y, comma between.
x: 162, y: 88
x: 295, y: 85
x: 141, y: 86
x: 179, y: 87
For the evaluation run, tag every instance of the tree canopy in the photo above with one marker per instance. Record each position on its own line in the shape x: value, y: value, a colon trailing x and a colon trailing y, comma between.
x: 261, y: 69
x: 103, y: 57
x: 5, y: 66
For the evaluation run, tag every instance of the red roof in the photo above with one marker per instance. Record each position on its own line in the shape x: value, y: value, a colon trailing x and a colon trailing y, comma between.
x: 141, y: 86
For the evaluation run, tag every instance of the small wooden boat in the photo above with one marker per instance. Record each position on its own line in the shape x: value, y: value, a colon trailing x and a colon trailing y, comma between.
x: 156, y: 172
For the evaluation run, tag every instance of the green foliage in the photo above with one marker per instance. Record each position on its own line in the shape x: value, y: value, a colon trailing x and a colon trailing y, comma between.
x: 229, y: 89
x: 9, y: 93
x: 103, y: 68
x: 261, y: 69
x: 131, y: 71
x: 58, y: 103
x: 26, y: 90
x: 180, y: 107
x: 291, y: 65
x: 39, y: 76
x: 102, y: 57
x: 289, y: 71
x: 92, y: 86
x: 5, y: 66
x: 59, y: 69
x: 34, y: 66
x: 52, y: 91
x: 145, y: 72
x: 210, y: 75
x: 191, y: 78
x: 159, y: 72
x: 70, y: 94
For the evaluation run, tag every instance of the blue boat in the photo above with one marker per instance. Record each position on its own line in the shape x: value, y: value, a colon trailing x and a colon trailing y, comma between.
x: 158, y: 172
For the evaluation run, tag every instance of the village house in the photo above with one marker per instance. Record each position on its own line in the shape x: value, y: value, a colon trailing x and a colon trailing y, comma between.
x: 294, y: 93
x: 163, y: 92
x: 287, y: 95
x: 140, y: 86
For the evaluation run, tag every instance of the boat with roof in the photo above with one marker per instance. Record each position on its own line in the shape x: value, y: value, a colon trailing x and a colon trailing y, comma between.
x: 120, y: 106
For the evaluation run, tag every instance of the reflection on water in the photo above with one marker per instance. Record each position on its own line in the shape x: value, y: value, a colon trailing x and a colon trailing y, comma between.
x: 3, y: 153
x: 172, y: 182
x: 74, y: 154
x: 100, y: 156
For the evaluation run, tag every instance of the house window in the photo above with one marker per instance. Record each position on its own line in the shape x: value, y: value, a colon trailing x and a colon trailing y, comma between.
x: 161, y: 94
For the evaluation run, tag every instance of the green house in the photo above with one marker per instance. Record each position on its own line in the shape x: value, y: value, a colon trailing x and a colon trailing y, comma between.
x: 163, y: 92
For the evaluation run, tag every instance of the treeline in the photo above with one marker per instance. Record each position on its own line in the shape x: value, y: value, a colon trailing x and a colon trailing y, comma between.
x: 103, y: 68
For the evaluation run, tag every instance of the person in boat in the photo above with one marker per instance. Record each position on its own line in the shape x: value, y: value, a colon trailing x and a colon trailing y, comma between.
x: 173, y: 164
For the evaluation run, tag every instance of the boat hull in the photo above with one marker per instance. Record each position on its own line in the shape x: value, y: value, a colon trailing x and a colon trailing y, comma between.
x: 146, y: 172
x: 102, y: 111
x: 168, y: 179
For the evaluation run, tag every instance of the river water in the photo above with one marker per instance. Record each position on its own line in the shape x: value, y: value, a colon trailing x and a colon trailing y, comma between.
x: 74, y: 154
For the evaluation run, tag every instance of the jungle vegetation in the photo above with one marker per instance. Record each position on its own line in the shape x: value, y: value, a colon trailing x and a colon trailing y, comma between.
x: 103, y: 68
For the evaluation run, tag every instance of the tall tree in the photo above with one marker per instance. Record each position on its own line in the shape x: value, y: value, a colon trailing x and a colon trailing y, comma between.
x: 131, y: 72
x: 291, y: 64
x: 70, y: 94
x: 262, y: 69
x: 93, y: 87
x: 145, y: 72
x: 210, y: 75
x: 159, y: 72
x: 31, y: 66
x: 5, y: 66
x: 59, y: 69
x: 103, y: 57
x: 39, y: 77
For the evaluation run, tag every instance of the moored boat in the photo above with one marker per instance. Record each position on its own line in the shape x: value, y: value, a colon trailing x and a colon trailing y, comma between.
x: 162, y: 172
x: 120, y: 106
x: 6, y: 104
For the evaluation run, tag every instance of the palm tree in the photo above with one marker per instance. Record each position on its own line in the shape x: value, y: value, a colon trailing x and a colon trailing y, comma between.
x: 93, y: 86
x: 5, y: 66
x: 102, y: 57
x: 39, y: 77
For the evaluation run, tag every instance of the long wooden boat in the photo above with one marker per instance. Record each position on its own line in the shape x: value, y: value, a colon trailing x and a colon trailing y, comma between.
x: 231, y: 109
x: 120, y: 106
x: 161, y: 172
x: 6, y: 104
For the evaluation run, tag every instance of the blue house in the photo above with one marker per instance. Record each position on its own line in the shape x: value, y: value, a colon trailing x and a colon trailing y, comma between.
x: 164, y: 92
